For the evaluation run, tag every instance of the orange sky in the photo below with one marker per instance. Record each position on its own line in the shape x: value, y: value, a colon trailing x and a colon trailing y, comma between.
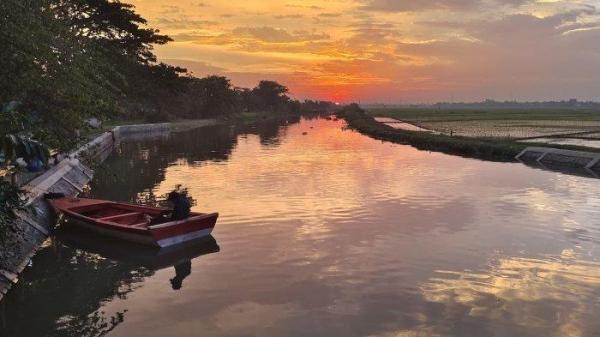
x: 390, y: 50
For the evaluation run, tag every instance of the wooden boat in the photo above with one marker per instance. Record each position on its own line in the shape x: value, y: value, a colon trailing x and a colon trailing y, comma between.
x: 140, y: 224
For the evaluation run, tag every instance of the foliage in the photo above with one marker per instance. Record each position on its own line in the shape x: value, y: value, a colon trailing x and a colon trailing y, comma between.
x: 114, y: 25
x: 18, y: 146
x: 57, y: 75
x: 9, y: 201
x: 15, y: 142
x: 211, y: 96
x: 270, y: 95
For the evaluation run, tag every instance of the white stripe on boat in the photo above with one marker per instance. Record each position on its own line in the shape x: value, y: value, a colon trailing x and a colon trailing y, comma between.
x: 185, y: 237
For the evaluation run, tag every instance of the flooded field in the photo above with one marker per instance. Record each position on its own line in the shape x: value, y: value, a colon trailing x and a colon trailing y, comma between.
x: 511, y: 128
x: 396, y: 124
x: 326, y: 232
x: 499, y: 123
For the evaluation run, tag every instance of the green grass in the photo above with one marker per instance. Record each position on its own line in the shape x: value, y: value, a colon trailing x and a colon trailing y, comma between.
x: 487, y: 148
x: 499, y: 123
x: 431, y: 114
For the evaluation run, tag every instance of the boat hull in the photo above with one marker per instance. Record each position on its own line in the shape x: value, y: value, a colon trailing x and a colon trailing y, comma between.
x: 130, y: 222
x: 142, y: 239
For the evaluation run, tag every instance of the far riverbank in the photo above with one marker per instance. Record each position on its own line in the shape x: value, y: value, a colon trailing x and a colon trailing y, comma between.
x: 500, y: 149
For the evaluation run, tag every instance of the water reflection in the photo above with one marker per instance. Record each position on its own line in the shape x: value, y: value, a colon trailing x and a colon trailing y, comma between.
x: 182, y: 270
x: 65, y: 291
x: 150, y: 157
x: 150, y: 258
x: 562, y: 168
x: 538, y: 297
x: 77, y: 273
x: 325, y: 232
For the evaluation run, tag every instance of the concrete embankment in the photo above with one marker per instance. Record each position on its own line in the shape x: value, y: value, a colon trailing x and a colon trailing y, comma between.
x: 569, y: 161
x: 561, y: 160
x: 36, y: 221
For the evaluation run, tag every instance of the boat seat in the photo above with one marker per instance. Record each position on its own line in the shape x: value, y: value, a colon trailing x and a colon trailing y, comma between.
x: 140, y: 225
x: 118, y: 216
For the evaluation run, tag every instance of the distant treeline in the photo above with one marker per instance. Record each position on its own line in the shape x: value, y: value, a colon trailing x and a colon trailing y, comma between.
x: 492, y: 104
x: 63, y: 61
x: 215, y: 96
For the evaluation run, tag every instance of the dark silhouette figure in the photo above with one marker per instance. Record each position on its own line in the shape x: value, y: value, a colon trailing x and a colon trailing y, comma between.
x: 182, y: 271
x: 181, y: 206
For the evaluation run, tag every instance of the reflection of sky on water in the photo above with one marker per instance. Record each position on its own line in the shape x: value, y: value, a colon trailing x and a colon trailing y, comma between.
x: 558, y: 296
x: 335, y: 234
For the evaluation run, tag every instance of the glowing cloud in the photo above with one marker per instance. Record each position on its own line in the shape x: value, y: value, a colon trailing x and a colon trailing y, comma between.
x: 390, y: 51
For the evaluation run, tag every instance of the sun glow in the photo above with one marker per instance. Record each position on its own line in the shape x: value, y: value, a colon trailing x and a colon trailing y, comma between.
x: 387, y: 51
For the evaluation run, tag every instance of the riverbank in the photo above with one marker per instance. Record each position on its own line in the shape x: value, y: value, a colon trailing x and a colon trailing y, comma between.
x: 487, y: 148
x: 494, y: 150
x: 36, y: 221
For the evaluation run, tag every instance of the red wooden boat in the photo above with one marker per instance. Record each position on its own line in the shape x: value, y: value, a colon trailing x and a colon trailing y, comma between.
x: 135, y: 223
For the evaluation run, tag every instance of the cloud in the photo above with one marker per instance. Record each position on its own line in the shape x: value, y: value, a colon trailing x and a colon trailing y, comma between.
x: 330, y: 15
x: 314, y: 7
x: 289, y: 16
x: 400, y: 50
x: 183, y: 22
x: 278, y: 35
x: 413, y: 6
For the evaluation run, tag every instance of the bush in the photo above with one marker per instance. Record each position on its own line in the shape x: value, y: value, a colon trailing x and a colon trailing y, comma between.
x: 9, y: 202
x: 157, y: 117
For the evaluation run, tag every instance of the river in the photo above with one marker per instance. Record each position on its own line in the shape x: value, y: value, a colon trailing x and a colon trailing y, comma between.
x: 326, y: 232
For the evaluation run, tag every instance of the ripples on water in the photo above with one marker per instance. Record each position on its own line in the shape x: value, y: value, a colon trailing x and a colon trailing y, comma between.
x: 332, y: 234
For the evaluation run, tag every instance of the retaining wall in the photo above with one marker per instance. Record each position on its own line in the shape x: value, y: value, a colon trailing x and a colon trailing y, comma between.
x: 36, y: 221
x: 557, y: 158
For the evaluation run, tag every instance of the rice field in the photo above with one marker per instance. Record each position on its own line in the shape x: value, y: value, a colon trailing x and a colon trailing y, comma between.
x: 511, y: 129
x: 506, y: 124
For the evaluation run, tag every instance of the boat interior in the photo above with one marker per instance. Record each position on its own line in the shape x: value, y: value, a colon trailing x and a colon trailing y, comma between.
x: 121, y: 214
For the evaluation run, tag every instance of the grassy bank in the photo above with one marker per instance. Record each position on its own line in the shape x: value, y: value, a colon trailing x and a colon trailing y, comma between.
x: 463, y: 146
x: 487, y: 148
x: 498, y: 123
x: 432, y: 114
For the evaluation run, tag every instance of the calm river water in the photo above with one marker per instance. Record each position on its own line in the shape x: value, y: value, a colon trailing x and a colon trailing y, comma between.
x: 328, y: 233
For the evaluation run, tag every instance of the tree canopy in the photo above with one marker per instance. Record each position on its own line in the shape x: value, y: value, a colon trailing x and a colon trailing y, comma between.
x: 63, y: 61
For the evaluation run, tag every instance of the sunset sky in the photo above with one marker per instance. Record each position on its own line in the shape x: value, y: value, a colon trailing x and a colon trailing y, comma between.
x: 390, y: 50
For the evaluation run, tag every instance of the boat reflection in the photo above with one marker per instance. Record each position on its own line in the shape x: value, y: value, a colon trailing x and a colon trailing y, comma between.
x: 182, y: 271
x: 179, y: 257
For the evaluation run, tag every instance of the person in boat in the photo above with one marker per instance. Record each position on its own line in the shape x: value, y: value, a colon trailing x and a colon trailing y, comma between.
x: 181, y: 206
x: 181, y: 210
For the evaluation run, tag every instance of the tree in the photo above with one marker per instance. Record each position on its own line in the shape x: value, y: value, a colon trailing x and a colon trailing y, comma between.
x: 53, y: 74
x: 113, y: 24
x: 211, y: 96
x: 271, y: 94
x: 146, y: 88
